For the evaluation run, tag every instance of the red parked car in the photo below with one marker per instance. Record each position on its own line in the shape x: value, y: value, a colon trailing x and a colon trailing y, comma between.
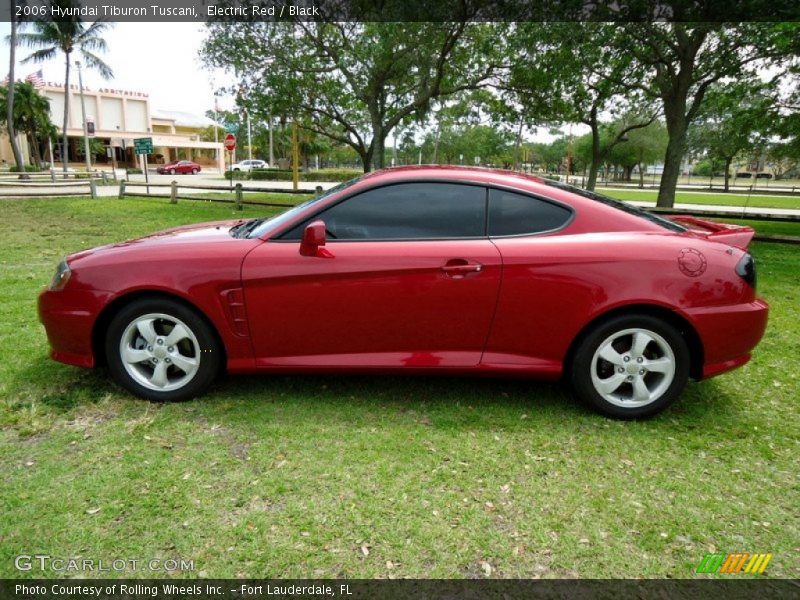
x: 421, y: 270
x: 181, y: 167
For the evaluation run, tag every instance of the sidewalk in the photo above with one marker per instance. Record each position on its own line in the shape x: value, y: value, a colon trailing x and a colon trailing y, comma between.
x: 734, y: 211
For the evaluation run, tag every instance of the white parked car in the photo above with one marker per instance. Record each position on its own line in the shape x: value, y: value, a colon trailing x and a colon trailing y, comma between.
x: 249, y: 165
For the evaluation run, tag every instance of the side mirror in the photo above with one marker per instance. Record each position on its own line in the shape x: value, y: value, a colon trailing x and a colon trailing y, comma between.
x: 313, y: 239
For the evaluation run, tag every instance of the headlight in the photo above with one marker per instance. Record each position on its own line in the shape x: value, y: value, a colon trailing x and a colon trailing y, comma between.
x: 61, y: 277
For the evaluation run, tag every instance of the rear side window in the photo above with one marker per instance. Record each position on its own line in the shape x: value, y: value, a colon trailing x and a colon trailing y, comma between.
x: 518, y: 214
x: 407, y: 211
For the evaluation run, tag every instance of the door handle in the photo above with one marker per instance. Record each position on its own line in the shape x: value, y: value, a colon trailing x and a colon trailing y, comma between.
x: 458, y: 267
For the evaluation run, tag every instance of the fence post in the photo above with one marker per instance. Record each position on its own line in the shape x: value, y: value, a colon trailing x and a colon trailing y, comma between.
x: 238, y: 196
x: 103, y: 175
x: 173, y: 192
x: 121, y: 189
x: 93, y: 188
x: 52, y: 175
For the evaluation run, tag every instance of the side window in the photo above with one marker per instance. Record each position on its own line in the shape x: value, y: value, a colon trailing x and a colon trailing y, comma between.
x: 518, y: 214
x: 407, y: 211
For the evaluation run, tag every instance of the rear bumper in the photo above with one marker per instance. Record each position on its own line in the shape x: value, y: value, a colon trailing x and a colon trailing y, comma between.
x: 729, y: 334
x: 68, y: 317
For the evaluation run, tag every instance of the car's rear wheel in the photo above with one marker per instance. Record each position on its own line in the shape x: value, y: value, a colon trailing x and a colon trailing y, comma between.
x: 631, y: 366
x: 161, y: 350
x: 194, y: 171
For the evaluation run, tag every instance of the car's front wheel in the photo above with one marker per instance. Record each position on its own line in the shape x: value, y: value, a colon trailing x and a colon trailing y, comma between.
x: 631, y: 366
x: 162, y: 350
x: 172, y: 171
x: 194, y: 171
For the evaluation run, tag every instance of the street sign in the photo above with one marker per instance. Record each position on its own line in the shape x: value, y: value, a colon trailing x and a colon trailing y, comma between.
x: 143, y: 145
x: 230, y: 142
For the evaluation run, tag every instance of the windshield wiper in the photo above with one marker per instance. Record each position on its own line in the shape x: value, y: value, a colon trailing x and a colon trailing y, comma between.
x: 242, y: 230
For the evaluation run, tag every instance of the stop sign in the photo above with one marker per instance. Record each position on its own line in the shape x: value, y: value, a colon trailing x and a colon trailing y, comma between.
x: 230, y: 142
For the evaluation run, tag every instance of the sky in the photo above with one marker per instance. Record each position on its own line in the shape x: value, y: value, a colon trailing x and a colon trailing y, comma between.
x: 158, y: 58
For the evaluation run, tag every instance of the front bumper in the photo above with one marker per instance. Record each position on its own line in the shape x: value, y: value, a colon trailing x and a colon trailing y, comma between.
x: 729, y: 334
x: 68, y: 317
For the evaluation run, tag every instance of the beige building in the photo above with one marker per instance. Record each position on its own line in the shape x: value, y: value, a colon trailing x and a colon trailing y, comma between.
x: 119, y: 117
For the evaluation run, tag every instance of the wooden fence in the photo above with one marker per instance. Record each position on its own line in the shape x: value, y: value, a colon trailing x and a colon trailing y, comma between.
x: 238, y: 193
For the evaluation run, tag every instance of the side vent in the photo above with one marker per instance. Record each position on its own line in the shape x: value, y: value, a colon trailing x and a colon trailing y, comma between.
x: 233, y: 301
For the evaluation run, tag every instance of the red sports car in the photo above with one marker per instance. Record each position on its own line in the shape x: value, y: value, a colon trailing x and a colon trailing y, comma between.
x: 182, y: 167
x: 421, y: 270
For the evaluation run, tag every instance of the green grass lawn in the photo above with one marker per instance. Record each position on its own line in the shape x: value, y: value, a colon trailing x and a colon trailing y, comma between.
x: 333, y: 476
x: 733, y: 199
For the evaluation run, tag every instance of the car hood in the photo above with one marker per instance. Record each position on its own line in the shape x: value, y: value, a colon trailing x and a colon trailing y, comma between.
x: 194, y: 240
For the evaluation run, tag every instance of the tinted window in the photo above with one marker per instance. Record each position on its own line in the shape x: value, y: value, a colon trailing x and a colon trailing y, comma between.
x: 623, y: 206
x: 517, y: 214
x: 407, y: 211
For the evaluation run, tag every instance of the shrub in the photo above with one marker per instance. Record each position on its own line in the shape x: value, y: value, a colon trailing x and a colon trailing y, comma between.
x: 333, y: 174
x: 286, y: 175
x: 134, y: 171
x: 237, y: 175
x: 28, y: 169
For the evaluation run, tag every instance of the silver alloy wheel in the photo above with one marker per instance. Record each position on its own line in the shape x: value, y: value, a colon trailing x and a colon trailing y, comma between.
x: 160, y: 352
x: 633, y: 367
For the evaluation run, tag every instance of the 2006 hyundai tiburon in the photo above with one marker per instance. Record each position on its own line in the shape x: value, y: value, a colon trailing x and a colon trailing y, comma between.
x: 420, y: 270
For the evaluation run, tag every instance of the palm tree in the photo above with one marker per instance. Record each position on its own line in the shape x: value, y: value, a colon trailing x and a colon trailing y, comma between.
x: 67, y: 37
x: 10, y: 98
x: 31, y: 117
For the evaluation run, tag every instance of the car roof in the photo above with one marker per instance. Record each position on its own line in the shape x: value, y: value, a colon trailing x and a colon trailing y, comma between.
x: 501, y: 177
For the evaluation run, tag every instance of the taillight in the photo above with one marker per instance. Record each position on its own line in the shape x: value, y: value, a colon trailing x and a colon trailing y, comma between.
x: 746, y: 269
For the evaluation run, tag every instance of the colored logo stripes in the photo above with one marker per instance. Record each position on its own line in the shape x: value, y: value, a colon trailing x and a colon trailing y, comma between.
x: 737, y: 562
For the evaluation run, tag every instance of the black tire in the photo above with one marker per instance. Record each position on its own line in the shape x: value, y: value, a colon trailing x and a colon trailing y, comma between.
x: 203, y: 347
x: 583, y: 364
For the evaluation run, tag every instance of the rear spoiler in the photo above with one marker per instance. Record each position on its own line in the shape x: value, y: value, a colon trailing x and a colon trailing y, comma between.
x: 735, y: 235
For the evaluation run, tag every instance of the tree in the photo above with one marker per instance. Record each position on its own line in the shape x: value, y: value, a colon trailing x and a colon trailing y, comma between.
x: 31, y: 117
x: 12, y: 134
x: 68, y: 36
x: 352, y: 82
x: 684, y: 59
x: 491, y: 145
x: 577, y: 72
x: 643, y: 147
x: 734, y: 119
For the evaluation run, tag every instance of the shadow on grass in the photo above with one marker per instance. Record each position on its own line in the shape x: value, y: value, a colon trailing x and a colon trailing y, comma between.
x: 453, y: 402
x: 60, y: 388
x: 466, y: 401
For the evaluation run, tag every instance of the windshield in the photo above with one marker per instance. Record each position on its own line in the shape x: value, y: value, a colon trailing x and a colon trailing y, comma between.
x: 618, y: 204
x: 265, y: 225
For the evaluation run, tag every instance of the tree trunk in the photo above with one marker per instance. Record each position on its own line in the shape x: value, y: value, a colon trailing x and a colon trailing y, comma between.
x: 597, y: 157
x: 366, y: 159
x: 12, y: 135
x: 378, y: 145
x: 728, y: 162
x: 64, y: 137
x: 33, y: 146
x: 676, y: 146
x: 641, y: 175
x: 516, y: 149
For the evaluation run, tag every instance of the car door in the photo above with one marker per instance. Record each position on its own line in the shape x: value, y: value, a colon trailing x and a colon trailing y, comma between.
x: 541, y: 296
x: 408, y: 279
